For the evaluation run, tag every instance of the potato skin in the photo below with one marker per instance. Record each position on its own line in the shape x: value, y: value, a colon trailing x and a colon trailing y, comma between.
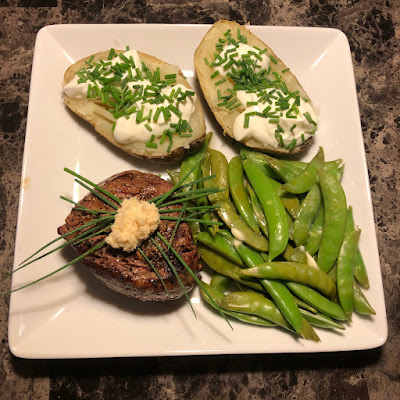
x: 224, y: 116
x: 92, y: 111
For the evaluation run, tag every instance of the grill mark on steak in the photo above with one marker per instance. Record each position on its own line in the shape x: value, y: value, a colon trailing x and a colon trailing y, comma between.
x: 129, y: 273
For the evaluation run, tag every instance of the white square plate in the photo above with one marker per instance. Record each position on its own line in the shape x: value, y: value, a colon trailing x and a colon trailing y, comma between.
x: 71, y: 315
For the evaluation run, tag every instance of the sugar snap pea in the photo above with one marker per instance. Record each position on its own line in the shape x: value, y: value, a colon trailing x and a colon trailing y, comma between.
x: 255, y: 304
x: 314, y: 238
x: 225, y: 267
x: 191, y: 160
x: 220, y: 282
x: 286, y: 172
x: 361, y: 304
x: 220, y: 244
x: 239, y: 228
x: 316, y: 300
x: 307, y: 178
x: 289, y: 200
x: 278, y: 229
x: 335, y: 208
x: 259, y: 159
x: 360, y: 272
x: 321, y: 320
x: 294, y: 272
x: 308, y: 211
x: 219, y: 168
x: 277, y: 290
x: 239, y: 195
x: 258, y: 212
x: 345, y: 265
x: 218, y: 297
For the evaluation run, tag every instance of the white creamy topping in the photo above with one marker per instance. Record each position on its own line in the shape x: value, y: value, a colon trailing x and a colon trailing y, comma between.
x: 242, y: 50
x: 263, y: 131
x: 135, y: 221
x: 128, y: 131
x: 273, y: 116
x: 128, y: 128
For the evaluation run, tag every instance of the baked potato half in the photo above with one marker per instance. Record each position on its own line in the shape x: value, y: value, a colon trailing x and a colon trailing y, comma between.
x: 252, y: 93
x: 103, y: 110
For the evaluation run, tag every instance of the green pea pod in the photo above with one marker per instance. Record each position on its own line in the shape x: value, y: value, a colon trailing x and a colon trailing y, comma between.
x: 316, y: 300
x: 285, y: 171
x: 259, y: 159
x: 299, y: 256
x: 254, y: 304
x: 240, y: 230
x: 218, y: 297
x: 307, y: 178
x: 239, y: 195
x: 345, y: 265
x: 361, y: 304
x: 278, y: 229
x: 219, y: 168
x: 225, y: 267
x: 329, y: 165
x: 335, y: 208
x: 360, y: 272
x: 191, y: 160
x: 303, y: 305
x: 289, y: 200
x: 174, y: 176
x: 221, y: 245
x: 258, y: 212
x: 220, y: 282
x: 321, y: 320
x: 294, y: 272
x: 277, y: 290
x: 308, y: 211
x: 290, y: 224
x: 314, y: 239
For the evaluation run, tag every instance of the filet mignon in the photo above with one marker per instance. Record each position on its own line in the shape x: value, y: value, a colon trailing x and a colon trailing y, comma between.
x: 129, y: 273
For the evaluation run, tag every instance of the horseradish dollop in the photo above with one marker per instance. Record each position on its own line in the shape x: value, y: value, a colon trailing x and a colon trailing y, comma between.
x: 135, y: 221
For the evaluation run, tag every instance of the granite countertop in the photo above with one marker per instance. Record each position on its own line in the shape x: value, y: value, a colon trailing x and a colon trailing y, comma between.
x: 372, y: 27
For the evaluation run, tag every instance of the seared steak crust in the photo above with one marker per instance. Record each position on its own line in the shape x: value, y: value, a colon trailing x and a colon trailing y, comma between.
x: 129, y: 273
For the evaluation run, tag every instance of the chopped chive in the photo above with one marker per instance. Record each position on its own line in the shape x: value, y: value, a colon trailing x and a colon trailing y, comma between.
x: 273, y: 59
x: 302, y: 137
x: 285, y: 70
x: 214, y: 74
x: 220, y: 82
x: 292, y: 144
x: 246, y: 120
x: 251, y: 103
x: 309, y: 118
x: 113, y: 127
x: 175, y: 110
x: 263, y: 51
x: 151, y: 145
x: 149, y: 128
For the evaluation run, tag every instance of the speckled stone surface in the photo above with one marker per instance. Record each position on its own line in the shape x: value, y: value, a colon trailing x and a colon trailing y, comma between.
x: 372, y: 27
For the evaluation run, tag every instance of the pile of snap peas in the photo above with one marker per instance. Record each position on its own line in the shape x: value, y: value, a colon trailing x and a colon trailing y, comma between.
x: 288, y: 253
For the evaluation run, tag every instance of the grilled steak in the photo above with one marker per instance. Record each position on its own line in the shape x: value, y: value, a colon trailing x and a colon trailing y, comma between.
x: 129, y: 273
